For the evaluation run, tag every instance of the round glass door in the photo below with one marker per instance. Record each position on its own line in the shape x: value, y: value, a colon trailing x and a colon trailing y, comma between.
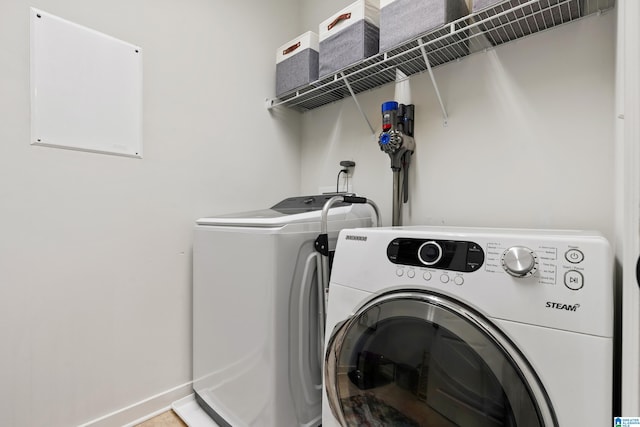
x: 416, y: 359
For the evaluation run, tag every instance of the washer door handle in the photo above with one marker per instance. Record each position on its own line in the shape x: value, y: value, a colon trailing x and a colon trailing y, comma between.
x: 304, y: 334
x: 638, y: 272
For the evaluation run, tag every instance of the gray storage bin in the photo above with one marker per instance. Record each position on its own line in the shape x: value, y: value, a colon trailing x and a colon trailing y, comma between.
x: 349, y: 36
x: 403, y: 20
x: 514, y: 25
x: 296, y: 63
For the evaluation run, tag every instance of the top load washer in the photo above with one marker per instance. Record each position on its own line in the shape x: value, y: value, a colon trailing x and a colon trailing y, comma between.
x: 257, y: 350
x: 469, y: 327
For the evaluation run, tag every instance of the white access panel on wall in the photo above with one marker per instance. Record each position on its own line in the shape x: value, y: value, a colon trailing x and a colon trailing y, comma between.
x: 86, y: 88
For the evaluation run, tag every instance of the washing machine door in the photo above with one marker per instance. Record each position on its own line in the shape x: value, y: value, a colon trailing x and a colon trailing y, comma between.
x: 418, y: 359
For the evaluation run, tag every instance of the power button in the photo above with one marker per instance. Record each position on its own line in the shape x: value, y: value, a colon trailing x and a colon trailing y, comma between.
x: 574, y: 256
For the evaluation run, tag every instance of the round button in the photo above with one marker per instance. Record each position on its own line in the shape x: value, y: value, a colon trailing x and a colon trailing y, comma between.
x: 411, y: 274
x: 458, y: 280
x: 573, y: 280
x: 574, y: 256
x: 426, y: 275
x: 519, y: 261
x: 399, y: 272
x: 429, y: 253
x: 444, y: 278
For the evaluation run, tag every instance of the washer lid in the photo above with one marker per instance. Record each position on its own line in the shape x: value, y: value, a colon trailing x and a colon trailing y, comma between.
x: 288, y: 211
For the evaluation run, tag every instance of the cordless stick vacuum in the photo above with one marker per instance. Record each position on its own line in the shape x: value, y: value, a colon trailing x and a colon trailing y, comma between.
x: 396, y: 139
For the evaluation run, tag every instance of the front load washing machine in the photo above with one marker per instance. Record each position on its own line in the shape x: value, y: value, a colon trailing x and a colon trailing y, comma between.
x: 469, y: 327
x: 256, y: 322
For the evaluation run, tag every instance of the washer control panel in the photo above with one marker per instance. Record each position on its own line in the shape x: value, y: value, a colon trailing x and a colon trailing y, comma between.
x: 546, y: 264
x: 554, y: 279
x: 454, y: 255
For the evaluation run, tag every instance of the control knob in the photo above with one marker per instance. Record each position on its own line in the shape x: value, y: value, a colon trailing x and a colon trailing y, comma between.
x: 430, y: 253
x: 519, y: 261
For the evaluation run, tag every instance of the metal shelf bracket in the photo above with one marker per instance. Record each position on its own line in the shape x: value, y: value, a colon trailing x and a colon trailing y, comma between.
x: 353, y: 95
x: 445, y: 116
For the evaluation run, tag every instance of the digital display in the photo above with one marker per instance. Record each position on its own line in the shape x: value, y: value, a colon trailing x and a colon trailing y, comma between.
x: 456, y: 255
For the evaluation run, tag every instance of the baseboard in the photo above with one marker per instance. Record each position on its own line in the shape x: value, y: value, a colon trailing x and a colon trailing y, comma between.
x: 191, y: 413
x: 144, y: 409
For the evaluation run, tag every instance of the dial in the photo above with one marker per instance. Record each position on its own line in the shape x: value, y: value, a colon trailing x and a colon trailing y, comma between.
x: 430, y: 253
x: 519, y: 261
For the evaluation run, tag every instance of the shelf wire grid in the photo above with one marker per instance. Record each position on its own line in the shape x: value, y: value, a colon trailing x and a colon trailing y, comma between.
x: 506, y: 21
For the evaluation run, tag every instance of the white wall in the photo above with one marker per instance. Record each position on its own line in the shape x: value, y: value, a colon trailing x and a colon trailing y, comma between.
x: 95, y: 250
x: 529, y: 141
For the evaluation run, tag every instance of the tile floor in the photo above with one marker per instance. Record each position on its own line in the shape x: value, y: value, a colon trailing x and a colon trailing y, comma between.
x: 166, y: 419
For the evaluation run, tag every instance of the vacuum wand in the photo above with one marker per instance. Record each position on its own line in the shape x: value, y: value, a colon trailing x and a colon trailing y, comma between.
x: 396, y: 139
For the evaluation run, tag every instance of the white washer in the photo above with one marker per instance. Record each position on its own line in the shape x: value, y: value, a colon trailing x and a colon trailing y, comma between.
x: 469, y: 327
x: 256, y: 339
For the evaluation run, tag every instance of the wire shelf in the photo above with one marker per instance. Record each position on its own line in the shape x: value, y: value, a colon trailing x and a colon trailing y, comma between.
x: 506, y: 21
